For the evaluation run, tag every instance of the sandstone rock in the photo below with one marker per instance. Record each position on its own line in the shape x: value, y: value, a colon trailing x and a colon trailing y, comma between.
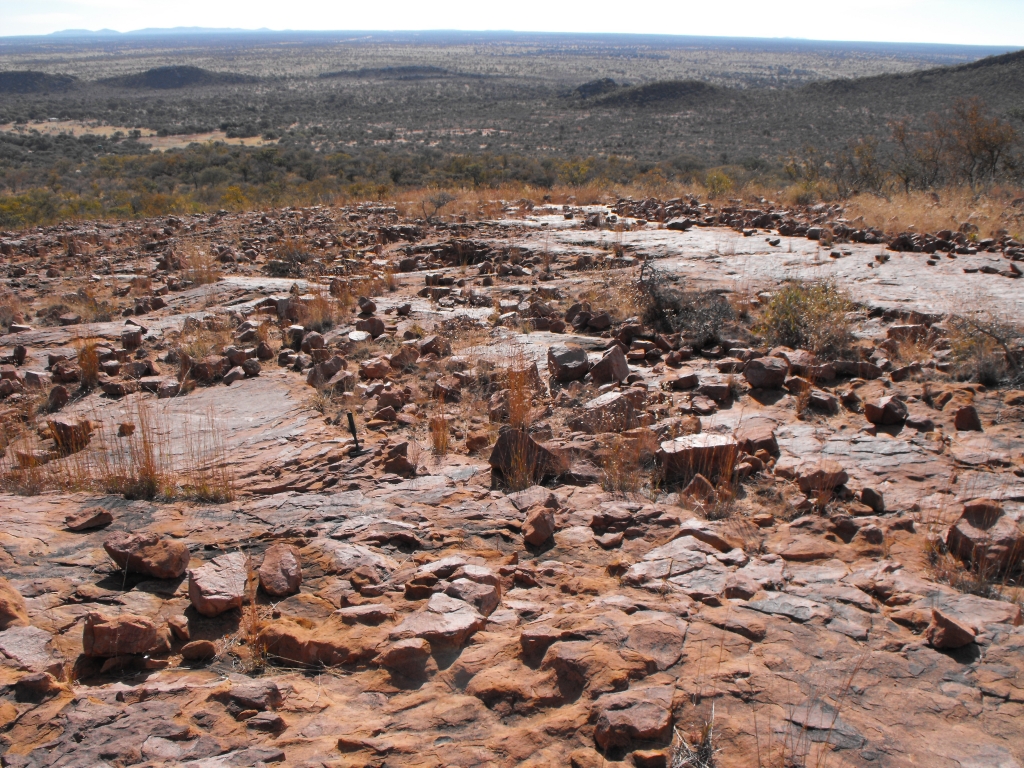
x: 610, y: 412
x: 70, y: 435
x: 123, y: 635
x: 435, y: 345
x: 281, y: 570
x: 406, y: 657
x: 966, y: 419
x: 736, y: 620
x: 13, y: 611
x: 985, y: 535
x: 219, y: 585
x: 199, y: 650
x: 30, y: 648
x: 58, y: 398
x: 886, y: 412
x: 567, y: 362
x: 148, y: 554
x: 330, y: 643
x: 708, y: 454
x: 444, y: 621
x: 371, y: 325
x: 826, y: 475
x: 484, y: 597
x: 374, y: 368
x: 611, y: 367
x: 517, y: 457
x: 87, y: 519
x: 233, y: 375
x: 766, y: 372
x: 539, y: 526
x: 755, y: 435
x: 945, y: 632
x: 636, y: 715
x: 684, y: 380
x: 367, y: 613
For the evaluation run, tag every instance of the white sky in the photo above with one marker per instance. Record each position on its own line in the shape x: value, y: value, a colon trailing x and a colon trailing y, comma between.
x: 978, y: 22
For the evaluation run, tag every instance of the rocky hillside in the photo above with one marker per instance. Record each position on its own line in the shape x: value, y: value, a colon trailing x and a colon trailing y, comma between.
x: 647, y: 484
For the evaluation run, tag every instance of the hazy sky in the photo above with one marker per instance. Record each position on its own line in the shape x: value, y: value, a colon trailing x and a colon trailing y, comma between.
x: 980, y: 22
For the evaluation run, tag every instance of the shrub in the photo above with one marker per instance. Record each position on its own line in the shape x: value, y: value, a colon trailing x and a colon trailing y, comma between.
x: 697, y: 315
x: 808, y: 316
x: 987, y: 351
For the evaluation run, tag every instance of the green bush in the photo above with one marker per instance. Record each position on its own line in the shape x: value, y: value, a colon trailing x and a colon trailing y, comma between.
x: 809, y: 316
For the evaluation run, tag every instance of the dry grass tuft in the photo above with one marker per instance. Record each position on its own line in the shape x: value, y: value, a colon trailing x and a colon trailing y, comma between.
x: 808, y: 316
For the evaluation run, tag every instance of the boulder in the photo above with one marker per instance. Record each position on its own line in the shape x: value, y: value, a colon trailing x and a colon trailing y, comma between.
x: 123, y: 635
x: 755, y: 435
x: 87, y: 519
x: 374, y: 368
x: 888, y: 411
x: 328, y: 643
x: 518, y: 457
x: 219, y: 585
x: 610, y: 412
x: 13, y: 611
x: 281, y: 570
x: 612, y: 367
x: 636, y: 715
x: 407, y: 657
x: 567, y: 362
x: 539, y: 526
x: 199, y: 650
x: 484, y: 597
x: 148, y: 554
x: 444, y: 621
x: 371, y: 325
x: 766, y: 372
x: 70, y: 435
x: 58, y: 398
x: 708, y: 454
x: 985, y: 535
x: 435, y: 345
x: 945, y: 632
x: 966, y: 419
x: 825, y: 475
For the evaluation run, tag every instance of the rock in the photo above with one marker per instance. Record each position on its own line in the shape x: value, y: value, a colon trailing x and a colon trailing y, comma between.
x: 477, y: 441
x: 58, y: 398
x: 708, y: 454
x: 406, y: 657
x: 233, y: 375
x: 199, y: 650
x: 444, y: 621
x: 371, y: 325
x: 366, y: 306
x: 123, y: 635
x: 30, y: 648
x: 87, y: 519
x: 610, y: 412
x: 766, y: 372
x: 824, y: 476
x: 567, y: 362
x: 484, y: 597
x: 636, y: 715
x: 945, y: 632
x: 741, y: 622
x: 281, y: 570
x: 251, y: 367
x: 374, y: 368
x: 966, y: 419
x: 13, y: 611
x: 888, y: 411
x: 985, y: 535
x: 219, y: 585
x: 266, y: 721
x: 435, y: 345
x: 684, y: 380
x: 328, y: 643
x: 539, y: 526
x: 148, y: 554
x: 517, y: 457
x: 755, y: 435
x: 611, y: 367
x: 71, y: 436
x: 367, y: 613
x: 36, y: 687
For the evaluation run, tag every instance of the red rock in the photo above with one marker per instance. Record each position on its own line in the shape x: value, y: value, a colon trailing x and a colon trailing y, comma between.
x: 755, y: 435
x: 611, y: 367
x: 888, y: 411
x: 87, y: 519
x: 405, y: 656
x: 636, y: 715
x: 610, y: 412
x: 945, y: 632
x: 148, y: 554
x: 13, y: 611
x: 219, y: 585
x: 708, y: 454
x: 374, y: 368
x: 330, y: 643
x: 123, y: 635
x: 984, y: 534
x: 517, y: 457
x: 826, y: 475
x: 199, y: 650
x: 766, y: 372
x: 444, y: 620
x: 567, y: 362
x: 281, y: 570
x: 966, y: 419
x: 539, y: 526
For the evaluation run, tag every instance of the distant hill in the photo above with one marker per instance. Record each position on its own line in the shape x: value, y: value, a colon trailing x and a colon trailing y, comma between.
x: 176, y: 77
x: 664, y: 91
x: 28, y: 81
x: 393, y: 73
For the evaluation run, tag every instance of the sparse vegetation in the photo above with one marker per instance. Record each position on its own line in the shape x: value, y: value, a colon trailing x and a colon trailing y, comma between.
x: 810, y: 316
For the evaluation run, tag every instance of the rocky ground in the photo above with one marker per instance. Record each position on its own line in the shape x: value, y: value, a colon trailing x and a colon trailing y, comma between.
x: 565, y: 536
